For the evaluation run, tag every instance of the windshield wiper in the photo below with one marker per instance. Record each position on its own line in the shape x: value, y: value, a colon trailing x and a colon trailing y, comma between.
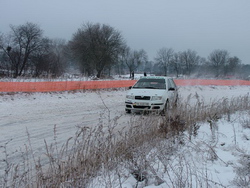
x: 150, y: 88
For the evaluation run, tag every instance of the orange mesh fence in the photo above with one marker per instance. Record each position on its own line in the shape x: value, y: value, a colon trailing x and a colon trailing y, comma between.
x: 82, y: 85
x: 62, y: 85
x: 193, y: 82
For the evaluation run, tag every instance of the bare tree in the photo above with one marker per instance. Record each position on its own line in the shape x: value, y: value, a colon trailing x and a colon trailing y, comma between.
x: 24, y: 40
x: 164, y: 57
x: 189, y: 60
x: 120, y: 66
x: 218, y: 60
x: 125, y: 59
x: 233, y: 65
x: 133, y: 58
x: 148, y: 66
x: 58, y: 57
x: 51, y: 59
x: 39, y: 61
x: 176, y: 64
x: 5, y: 68
x: 96, y: 46
x: 204, y: 69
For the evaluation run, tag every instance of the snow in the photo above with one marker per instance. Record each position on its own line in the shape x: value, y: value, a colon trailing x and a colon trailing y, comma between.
x: 38, y: 114
x: 230, y: 143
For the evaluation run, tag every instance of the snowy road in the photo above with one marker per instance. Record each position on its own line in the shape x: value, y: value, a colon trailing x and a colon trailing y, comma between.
x: 37, y: 114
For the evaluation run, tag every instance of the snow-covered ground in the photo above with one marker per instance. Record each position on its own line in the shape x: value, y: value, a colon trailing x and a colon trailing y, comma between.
x: 39, y: 114
x: 214, y: 158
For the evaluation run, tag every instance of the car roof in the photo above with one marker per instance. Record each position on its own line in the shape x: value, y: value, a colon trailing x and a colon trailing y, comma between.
x: 155, y: 77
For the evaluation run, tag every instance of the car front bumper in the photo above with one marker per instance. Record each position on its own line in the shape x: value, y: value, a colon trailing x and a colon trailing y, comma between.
x: 144, y: 105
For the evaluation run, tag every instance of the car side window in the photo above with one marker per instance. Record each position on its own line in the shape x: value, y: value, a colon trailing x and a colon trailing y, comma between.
x: 174, y: 85
x: 171, y: 84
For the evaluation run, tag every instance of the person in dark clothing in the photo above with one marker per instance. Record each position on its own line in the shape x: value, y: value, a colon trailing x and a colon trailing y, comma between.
x: 145, y: 74
x: 133, y: 75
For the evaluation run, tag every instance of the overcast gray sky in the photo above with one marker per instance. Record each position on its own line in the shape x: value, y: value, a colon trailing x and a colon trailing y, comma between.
x: 199, y: 25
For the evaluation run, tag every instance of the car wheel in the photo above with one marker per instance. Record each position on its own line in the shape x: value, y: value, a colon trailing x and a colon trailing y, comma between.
x: 128, y: 111
x: 166, y: 108
x: 176, y: 101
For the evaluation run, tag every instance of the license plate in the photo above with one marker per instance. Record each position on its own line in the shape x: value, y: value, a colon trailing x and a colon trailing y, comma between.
x: 141, y: 104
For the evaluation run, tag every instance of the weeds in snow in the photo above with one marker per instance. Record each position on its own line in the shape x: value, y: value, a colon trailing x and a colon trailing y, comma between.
x: 242, y: 178
x: 144, y: 150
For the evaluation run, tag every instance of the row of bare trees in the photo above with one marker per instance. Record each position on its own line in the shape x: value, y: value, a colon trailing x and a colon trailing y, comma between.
x: 219, y: 63
x: 99, y: 50
x: 24, y: 51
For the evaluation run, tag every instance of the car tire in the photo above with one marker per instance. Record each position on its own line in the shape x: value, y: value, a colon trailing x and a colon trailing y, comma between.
x: 176, y: 101
x: 128, y: 111
x: 166, y: 108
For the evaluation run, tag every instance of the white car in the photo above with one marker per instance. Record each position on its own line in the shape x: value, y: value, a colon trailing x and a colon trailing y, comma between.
x: 152, y: 93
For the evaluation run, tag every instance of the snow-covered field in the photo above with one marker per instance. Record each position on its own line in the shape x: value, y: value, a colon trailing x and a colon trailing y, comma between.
x: 39, y: 114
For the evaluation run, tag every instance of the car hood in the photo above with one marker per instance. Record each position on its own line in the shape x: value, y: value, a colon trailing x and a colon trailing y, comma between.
x: 146, y: 92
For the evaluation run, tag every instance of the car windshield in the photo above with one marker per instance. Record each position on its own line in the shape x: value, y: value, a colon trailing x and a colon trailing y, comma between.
x: 146, y: 83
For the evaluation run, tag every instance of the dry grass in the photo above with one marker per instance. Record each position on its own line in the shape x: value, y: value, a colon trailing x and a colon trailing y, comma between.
x: 105, y: 147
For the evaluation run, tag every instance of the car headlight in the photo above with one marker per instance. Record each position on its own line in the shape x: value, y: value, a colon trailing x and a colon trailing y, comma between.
x: 156, y: 98
x: 130, y: 96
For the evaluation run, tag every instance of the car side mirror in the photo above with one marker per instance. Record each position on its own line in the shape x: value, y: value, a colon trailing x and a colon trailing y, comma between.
x: 171, y: 89
x: 129, y: 87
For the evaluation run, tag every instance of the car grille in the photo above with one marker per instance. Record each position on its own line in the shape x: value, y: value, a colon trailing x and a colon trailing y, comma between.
x: 142, y: 97
x: 141, y: 107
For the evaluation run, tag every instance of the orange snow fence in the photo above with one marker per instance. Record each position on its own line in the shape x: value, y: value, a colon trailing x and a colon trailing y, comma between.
x: 82, y: 85
x: 62, y: 85
x: 192, y: 82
